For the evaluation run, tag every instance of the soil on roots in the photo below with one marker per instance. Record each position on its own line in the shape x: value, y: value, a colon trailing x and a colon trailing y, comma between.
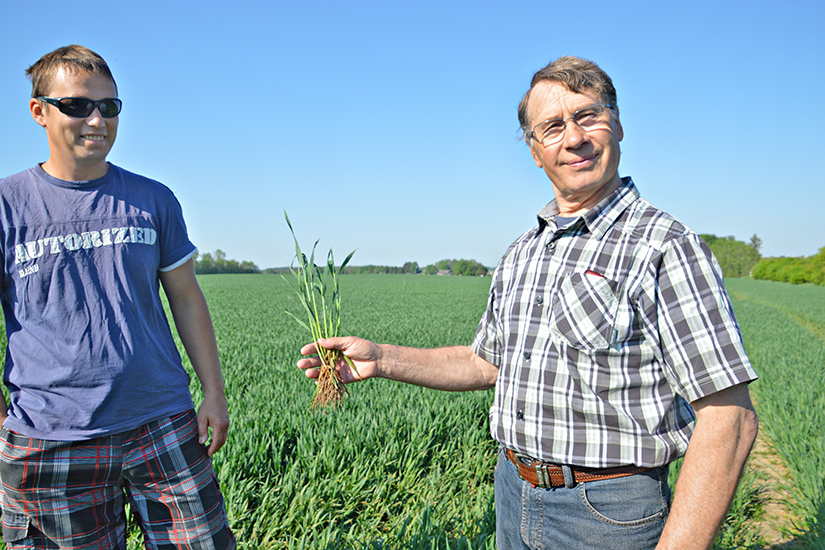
x: 331, y: 388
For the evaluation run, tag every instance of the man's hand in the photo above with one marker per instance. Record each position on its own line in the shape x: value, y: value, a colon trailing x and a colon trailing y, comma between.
x: 213, y: 414
x: 363, y: 353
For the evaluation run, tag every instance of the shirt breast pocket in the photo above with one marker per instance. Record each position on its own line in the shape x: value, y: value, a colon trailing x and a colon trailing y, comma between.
x: 584, y: 310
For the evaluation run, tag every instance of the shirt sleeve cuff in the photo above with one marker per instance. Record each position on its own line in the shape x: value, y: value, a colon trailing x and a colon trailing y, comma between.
x: 179, y: 262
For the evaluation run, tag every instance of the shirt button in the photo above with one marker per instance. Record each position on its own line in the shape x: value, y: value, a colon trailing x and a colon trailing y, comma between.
x: 539, y: 300
x: 527, y: 355
x: 551, y: 247
x: 520, y: 415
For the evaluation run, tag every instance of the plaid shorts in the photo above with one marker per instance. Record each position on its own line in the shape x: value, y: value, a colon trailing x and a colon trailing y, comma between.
x: 70, y: 494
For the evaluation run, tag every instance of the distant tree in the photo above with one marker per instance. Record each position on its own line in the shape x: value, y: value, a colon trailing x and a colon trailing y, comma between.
x: 467, y: 268
x: 410, y: 267
x: 206, y: 264
x: 756, y: 243
x: 459, y: 267
x: 249, y: 267
x: 736, y: 258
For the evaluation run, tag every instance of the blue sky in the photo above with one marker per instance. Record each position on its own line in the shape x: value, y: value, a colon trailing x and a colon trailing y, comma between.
x: 390, y: 127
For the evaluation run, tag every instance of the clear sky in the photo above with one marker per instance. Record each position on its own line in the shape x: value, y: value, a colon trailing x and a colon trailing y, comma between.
x: 390, y: 126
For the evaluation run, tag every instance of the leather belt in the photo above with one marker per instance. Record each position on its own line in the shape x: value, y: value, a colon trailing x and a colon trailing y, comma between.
x: 548, y: 476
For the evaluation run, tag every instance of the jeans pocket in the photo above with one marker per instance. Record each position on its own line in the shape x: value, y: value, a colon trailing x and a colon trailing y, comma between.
x: 628, y: 501
x: 501, y: 457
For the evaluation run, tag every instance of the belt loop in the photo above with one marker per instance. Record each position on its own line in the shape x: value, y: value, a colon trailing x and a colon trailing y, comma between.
x: 569, y: 478
x: 543, y: 478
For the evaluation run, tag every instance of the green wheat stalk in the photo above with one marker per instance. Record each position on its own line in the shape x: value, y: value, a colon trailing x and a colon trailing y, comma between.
x: 319, y: 294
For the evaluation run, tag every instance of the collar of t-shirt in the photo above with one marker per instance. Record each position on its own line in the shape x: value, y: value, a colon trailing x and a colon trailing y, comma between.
x: 562, y: 221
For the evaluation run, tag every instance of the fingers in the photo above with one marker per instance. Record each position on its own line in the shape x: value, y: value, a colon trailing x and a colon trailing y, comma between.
x: 309, y: 364
x: 326, y: 343
x: 203, y: 429
x: 309, y: 349
x: 220, y: 431
x: 213, y: 416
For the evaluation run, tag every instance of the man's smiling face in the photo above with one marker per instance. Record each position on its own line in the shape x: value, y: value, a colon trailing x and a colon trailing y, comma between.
x: 583, y: 166
x: 77, y: 146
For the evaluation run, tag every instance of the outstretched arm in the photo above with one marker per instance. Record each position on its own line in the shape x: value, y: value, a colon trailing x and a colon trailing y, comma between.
x: 451, y: 369
x: 194, y: 326
x: 726, y: 427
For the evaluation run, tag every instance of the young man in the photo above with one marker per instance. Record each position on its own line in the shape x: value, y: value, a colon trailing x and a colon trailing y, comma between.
x: 99, y: 400
x: 607, y: 332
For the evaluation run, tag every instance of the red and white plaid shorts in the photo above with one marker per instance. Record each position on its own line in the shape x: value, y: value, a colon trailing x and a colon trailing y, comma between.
x: 70, y: 494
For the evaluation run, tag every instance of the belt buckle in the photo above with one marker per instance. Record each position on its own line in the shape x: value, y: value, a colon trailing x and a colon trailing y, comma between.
x: 540, y: 467
x: 526, y: 460
x: 543, y: 477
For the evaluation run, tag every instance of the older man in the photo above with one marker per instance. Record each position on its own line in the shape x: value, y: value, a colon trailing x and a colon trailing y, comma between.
x: 612, y: 346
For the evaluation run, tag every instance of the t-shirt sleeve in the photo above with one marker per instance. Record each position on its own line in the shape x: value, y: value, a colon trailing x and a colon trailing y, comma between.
x: 175, y: 246
x: 701, y: 342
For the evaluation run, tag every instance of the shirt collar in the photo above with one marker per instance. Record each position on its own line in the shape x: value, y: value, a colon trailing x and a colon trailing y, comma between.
x: 599, y: 218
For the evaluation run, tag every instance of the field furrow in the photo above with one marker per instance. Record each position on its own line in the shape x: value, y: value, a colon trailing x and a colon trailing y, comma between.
x: 782, y: 326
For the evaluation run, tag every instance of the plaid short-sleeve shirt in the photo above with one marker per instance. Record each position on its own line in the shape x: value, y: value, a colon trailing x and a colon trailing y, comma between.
x: 604, y: 331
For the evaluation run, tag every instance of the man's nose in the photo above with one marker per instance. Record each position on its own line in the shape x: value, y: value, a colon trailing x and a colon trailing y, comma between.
x: 573, y: 133
x: 95, y: 117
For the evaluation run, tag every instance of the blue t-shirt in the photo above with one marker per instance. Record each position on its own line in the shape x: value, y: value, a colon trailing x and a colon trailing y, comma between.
x: 90, y: 351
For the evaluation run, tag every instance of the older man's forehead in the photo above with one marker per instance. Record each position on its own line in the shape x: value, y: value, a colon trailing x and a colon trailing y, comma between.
x: 549, y: 99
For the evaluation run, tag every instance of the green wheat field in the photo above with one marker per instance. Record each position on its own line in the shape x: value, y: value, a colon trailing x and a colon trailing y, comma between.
x: 399, y: 467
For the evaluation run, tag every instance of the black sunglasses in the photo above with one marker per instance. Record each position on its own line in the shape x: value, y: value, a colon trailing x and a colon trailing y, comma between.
x: 82, y: 107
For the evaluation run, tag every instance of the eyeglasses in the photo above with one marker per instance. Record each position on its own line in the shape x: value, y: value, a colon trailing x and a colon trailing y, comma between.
x: 82, y: 107
x: 588, y: 119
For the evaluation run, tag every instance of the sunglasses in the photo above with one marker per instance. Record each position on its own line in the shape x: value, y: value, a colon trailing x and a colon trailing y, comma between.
x: 82, y: 107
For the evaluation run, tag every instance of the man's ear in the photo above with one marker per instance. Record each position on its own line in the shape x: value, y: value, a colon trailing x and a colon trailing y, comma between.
x: 535, y: 156
x: 38, y: 111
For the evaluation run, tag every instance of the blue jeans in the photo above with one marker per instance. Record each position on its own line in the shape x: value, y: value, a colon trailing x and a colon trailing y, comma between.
x: 623, y: 513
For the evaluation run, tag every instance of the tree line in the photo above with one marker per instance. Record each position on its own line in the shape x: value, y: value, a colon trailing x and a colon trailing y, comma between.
x: 807, y: 269
x: 736, y: 258
x: 739, y: 259
x: 208, y: 264
x: 464, y: 268
x: 409, y: 267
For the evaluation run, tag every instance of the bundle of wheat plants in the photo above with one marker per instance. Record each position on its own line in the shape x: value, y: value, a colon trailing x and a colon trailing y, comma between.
x: 319, y: 294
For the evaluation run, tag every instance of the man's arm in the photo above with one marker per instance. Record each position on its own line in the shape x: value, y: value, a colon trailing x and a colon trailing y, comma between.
x: 451, y: 369
x: 726, y: 427
x: 194, y: 326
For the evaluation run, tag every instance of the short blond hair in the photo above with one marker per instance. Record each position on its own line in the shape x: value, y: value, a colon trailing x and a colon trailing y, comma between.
x: 73, y: 57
